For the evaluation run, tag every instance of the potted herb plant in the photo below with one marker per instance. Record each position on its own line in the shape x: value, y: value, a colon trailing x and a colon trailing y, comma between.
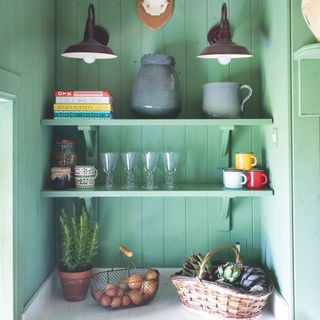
x: 78, y: 247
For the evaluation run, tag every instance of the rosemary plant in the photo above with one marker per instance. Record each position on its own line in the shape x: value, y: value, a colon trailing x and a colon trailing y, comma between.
x: 79, y: 240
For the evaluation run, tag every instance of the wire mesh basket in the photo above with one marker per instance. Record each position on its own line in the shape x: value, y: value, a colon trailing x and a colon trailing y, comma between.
x: 125, y: 287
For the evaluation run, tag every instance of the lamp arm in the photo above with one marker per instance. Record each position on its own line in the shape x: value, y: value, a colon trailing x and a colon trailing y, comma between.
x: 224, y: 24
x: 91, y: 13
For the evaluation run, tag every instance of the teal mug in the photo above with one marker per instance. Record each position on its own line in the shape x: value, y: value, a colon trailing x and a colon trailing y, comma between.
x: 224, y: 99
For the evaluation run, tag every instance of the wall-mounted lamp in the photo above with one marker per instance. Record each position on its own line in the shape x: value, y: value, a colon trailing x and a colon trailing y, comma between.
x: 221, y: 46
x: 94, y: 43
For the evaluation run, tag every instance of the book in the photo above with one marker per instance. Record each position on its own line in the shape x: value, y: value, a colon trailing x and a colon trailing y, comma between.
x: 84, y: 100
x: 82, y: 107
x: 82, y: 115
x: 72, y: 93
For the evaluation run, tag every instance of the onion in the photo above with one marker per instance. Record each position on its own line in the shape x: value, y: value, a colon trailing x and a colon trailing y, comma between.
x: 116, y: 302
x: 151, y: 274
x: 135, y: 281
x: 126, y: 300
x: 105, y: 301
x: 135, y: 296
x: 111, y: 292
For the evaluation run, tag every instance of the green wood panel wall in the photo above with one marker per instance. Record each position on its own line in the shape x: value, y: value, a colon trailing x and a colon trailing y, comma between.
x: 306, y: 185
x: 276, y: 235
x: 28, y: 49
x: 151, y: 226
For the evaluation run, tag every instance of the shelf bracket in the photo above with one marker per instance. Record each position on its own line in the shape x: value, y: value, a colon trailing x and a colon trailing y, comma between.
x: 224, y: 214
x: 90, y: 134
x: 225, y: 140
x: 88, y: 204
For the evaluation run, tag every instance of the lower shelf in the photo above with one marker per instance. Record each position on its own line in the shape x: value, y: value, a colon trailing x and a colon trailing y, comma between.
x: 48, y: 304
x: 183, y: 190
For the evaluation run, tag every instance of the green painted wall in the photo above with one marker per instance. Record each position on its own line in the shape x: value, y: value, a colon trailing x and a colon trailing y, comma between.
x: 306, y: 174
x: 276, y: 212
x: 27, y: 49
x: 151, y: 226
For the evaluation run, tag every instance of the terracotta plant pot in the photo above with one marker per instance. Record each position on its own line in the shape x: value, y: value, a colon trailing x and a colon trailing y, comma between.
x: 75, y: 284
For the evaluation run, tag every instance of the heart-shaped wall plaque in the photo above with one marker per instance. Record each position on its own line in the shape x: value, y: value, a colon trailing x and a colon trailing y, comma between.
x: 154, y: 13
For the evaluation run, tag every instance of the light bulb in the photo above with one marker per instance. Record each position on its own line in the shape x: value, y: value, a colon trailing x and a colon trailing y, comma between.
x: 89, y: 59
x: 224, y: 60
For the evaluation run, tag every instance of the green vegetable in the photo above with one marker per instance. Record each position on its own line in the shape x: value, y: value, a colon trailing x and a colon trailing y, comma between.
x: 229, y: 273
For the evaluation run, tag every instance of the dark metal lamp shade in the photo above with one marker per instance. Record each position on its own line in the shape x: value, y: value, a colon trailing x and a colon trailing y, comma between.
x: 94, y: 43
x: 221, y: 46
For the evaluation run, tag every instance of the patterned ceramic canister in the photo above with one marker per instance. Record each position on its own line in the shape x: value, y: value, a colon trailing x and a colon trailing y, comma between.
x: 61, y: 177
x: 85, y: 181
x: 85, y: 170
x: 85, y: 176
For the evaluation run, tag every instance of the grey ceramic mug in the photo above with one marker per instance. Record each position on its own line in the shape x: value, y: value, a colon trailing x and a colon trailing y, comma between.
x: 224, y: 99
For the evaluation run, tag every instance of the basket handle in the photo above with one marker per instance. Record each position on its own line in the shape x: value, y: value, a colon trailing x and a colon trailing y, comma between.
x: 126, y: 251
x: 214, y: 251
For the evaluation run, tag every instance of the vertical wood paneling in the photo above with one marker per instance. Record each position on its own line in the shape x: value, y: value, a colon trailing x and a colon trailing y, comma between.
x: 150, y: 226
x: 109, y: 70
x: 196, y: 29
x: 66, y: 28
x: 130, y: 53
x: 174, y: 44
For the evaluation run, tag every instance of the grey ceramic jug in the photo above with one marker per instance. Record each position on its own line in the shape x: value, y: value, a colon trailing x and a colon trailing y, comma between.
x: 156, y: 90
x: 224, y: 99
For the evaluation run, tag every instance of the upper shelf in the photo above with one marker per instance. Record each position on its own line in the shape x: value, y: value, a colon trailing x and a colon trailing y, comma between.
x: 311, y: 51
x: 158, y: 122
x: 183, y: 190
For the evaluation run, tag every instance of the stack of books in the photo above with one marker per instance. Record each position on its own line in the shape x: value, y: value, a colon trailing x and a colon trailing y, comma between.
x: 83, y: 105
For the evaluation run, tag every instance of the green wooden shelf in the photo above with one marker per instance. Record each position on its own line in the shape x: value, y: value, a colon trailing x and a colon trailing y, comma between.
x: 158, y: 122
x: 309, y: 52
x: 183, y: 190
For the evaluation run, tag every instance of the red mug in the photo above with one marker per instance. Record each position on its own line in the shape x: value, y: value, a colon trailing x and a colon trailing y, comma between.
x: 256, y: 179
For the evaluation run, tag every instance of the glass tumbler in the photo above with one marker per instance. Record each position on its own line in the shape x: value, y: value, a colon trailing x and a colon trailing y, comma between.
x: 109, y: 162
x: 149, y: 161
x: 130, y: 162
x: 170, y: 163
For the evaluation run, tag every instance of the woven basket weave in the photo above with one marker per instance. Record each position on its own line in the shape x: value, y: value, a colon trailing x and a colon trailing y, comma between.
x: 218, y: 300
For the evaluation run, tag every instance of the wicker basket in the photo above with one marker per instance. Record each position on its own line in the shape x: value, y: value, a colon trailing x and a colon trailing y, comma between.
x: 218, y: 300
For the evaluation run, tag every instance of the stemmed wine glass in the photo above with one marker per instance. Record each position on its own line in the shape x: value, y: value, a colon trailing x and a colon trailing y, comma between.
x: 109, y: 162
x: 149, y: 161
x: 170, y: 163
x: 130, y: 161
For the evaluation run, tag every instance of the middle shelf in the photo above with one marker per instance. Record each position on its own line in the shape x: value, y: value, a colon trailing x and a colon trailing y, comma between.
x: 182, y: 190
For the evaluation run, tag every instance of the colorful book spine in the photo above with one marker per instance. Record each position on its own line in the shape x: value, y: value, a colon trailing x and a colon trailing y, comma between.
x: 82, y: 115
x: 71, y: 93
x: 82, y: 107
x: 84, y: 100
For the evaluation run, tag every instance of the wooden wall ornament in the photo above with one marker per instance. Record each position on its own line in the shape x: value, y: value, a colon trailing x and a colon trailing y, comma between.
x: 154, y: 13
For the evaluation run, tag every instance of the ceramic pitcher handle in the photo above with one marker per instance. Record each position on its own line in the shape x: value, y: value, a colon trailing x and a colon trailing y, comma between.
x: 245, y: 86
x: 245, y: 179
x: 96, y: 174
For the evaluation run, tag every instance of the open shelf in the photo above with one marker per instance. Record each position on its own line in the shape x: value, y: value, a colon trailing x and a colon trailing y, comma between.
x: 310, y: 52
x: 182, y: 190
x: 158, y: 122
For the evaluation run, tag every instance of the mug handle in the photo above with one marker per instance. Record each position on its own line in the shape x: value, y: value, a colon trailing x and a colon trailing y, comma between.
x: 265, y: 179
x: 95, y: 176
x: 245, y: 179
x: 254, y: 163
x: 245, y: 86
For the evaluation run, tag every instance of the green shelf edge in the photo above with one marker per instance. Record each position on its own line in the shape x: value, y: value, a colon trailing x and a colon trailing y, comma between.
x: 311, y: 51
x: 185, y: 190
x: 158, y: 122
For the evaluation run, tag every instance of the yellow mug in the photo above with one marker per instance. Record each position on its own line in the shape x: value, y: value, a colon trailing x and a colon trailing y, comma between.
x: 245, y: 161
